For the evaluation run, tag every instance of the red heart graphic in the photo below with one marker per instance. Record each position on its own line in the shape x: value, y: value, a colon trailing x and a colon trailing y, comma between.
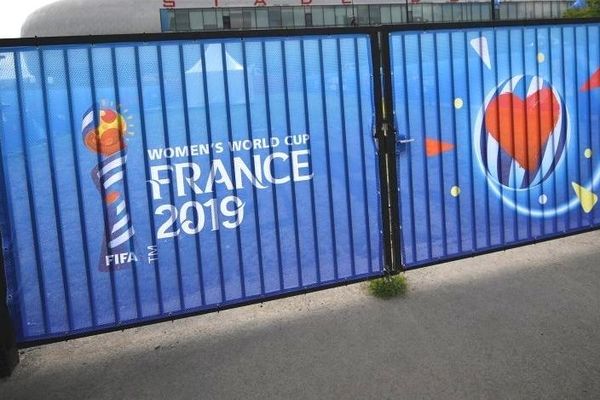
x: 523, y: 127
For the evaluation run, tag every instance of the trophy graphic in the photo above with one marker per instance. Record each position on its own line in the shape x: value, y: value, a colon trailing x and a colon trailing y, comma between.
x: 107, y: 141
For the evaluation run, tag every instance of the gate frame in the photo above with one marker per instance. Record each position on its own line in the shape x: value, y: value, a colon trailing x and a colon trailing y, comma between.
x: 9, y: 355
x: 387, y: 30
x: 369, y: 32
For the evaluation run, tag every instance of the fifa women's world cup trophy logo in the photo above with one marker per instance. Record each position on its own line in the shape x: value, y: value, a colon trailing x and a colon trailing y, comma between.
x: 104, y: 134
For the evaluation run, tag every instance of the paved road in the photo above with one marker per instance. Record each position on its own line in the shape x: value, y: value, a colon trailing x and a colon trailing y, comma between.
x: 521, y: 324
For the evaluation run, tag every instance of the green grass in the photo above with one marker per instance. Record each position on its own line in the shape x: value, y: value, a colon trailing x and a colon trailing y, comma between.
x: 388, y: 286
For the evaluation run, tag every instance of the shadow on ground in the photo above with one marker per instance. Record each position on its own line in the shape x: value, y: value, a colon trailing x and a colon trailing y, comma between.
x: 519, y: 324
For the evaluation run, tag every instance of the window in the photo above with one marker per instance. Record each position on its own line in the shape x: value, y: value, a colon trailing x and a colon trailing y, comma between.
x: 386, y: 15
x: 236, y: 19
x: 167, y: 20
x: 226, y: 22
x: 248, y: 22
x: 485, y: 12
x: 341, y: 17
x: 275, y: 17
x: 262, y: 18
x: 196, y: 23
x: 317, y: 15
x: 287, y: 17
x: 328, y: 16
x: 363, y: 15
x: 504, y: 12
x: 428, y: 13
x: 220, y: 14
x: 447, y: 12
x: 182, y: 18
x: 210, y: 19
x: 375, y: 15
x: 397, y: 13
x: 308, y: 19
x: 299, y: 16
x: 476, y: 11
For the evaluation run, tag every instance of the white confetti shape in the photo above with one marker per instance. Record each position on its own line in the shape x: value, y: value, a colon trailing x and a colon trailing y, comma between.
x: 480, y: 45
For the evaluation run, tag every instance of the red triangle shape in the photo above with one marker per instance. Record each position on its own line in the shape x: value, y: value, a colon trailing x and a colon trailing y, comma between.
x: 435, y: 147
x: 593, y: 83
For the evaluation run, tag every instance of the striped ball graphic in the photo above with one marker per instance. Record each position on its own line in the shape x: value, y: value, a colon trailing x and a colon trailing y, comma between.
x: 524, y: 132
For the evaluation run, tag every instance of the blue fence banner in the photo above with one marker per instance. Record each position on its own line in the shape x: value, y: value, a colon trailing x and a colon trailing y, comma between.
x: 499, y: 136
x: 141, y: 181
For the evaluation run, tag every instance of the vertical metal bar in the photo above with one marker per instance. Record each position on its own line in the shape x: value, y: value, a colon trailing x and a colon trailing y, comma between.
x: 496, y: 83
x: 539, y: 129
x: 363, y: 166
x: 439, y: 137
x: 261, y: 271
x: 386, y: 136
x: 80, y: 203
x: 53, y: 194
x: 409, y: 173
x: 523, y: 47
x: 188, y: 141
x: 512, y: 126
x: 163, y: 106
x: 311, y: 171
x: 230, y: 138
x: 578, y: 142
x: 293, y: 184
x: 564, y: 90
x: 140, y: 96
x: 595, y: 142
x: 458, y: 213
x: 9, y: 355
x: 487, y: 193
x: 10, y: 299
x: 136, y: 289
x: 589, y: 114
x: 470, y: 158
x: 211, y: 158
x: 270, y: 135
x: 423, y: 154
x: 328, y: 159
x: 551, y: 79
x: 30, y: 202
x: 102, y: 190
x: 345, y: 152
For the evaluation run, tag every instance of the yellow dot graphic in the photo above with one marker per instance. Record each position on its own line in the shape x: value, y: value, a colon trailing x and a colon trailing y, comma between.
x: 458, y: 103
x: 587, y: 153
x: 454, y: 191
x: 541, y: 57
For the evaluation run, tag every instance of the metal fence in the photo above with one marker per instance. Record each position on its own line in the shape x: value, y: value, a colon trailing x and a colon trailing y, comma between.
x: 144, y: 181
x: 499, y: 136
x: 155, y: 176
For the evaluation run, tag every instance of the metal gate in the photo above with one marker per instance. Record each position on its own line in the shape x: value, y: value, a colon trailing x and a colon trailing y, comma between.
x: 498, y: 136
x: 155, y: 176
x: 145, y: 180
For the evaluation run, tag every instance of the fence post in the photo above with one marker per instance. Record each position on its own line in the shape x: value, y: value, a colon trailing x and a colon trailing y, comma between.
x: 385, y: 134
x: 9, y: 355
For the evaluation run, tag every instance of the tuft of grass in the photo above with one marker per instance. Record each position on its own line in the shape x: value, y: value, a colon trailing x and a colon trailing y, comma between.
x: 388, y: 286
